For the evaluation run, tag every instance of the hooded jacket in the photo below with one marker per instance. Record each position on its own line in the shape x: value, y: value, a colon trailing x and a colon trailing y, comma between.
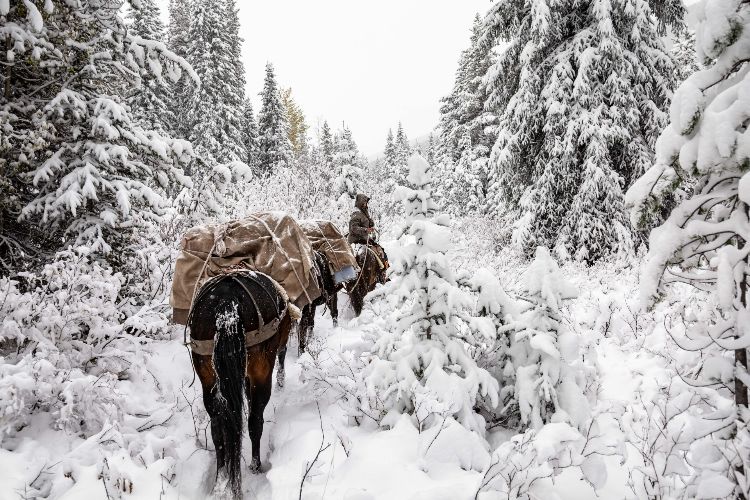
x: 360, y: 221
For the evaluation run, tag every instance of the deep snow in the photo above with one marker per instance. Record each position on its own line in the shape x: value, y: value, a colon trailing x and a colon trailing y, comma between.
x: 359, y: 462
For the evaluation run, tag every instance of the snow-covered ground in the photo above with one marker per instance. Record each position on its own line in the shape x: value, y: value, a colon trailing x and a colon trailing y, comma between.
x: 162, y: 448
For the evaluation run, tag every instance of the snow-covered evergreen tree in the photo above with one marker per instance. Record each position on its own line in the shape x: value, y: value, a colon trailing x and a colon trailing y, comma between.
x: 463, y: 110
x: 250, y: 136
x: 347, y: 167
x: 683, y: 51
x: 150, y: 101
x: 326, y: 145
x: 550, y: 377
x: 76, y: 162
x: 581, y: 93
x: 178, y: 35
x: 389, y: 152
x: 705, y: 151
x: 431, y: 150
x: 274, y: 147
x: 420, y: 365
x: 215, y: 108
x: 402, y: 153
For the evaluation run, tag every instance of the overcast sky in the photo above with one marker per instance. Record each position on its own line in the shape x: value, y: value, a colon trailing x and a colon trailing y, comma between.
x: 366, y: 63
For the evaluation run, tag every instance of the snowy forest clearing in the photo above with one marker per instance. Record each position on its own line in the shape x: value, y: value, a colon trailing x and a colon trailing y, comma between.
x: 358, y: 463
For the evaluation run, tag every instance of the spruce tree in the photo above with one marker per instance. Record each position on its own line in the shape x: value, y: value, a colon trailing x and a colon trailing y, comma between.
x: 683, y: 51
x: 150, y: 102
x: 215, y: 108
x: 236, y: 93
x: 420, y: 365
x: 402, y: 152
x: 581, y: 93
x: 326, y: 145
x: 274, y: 147
x: 250, y: 136
x: 347, y: 167
x: 463, y: 110
x: 74, y: 165
x: 178, y: 35
x: 389, y: 153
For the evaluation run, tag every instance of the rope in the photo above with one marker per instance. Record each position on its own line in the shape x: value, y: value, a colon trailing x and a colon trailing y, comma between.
x: 328, y: 242
x: 286, y: 255
x: 221, y: 231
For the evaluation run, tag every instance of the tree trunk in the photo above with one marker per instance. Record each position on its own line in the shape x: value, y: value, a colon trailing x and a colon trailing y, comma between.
x: 740, y: 355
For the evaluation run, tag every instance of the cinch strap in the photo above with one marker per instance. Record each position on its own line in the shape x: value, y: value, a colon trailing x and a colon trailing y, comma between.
x: 252, y: 338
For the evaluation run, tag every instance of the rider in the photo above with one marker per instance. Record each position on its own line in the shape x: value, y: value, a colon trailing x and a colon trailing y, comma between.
x: 362, y: 227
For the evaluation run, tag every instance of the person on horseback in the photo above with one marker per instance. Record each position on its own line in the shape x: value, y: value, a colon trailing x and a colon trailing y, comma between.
x: 362, y: 229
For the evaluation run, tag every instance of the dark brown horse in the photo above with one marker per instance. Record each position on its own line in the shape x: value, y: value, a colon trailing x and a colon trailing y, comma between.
x: 370, y: 274
x: 238, y: 323
x: 329, y: 290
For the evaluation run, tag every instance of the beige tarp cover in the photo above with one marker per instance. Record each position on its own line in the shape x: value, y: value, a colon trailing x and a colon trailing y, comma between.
x: 326, y: 238
x: 269, y: 242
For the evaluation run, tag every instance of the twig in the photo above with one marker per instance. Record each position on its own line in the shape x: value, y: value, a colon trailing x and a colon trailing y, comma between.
x: 321, y: 449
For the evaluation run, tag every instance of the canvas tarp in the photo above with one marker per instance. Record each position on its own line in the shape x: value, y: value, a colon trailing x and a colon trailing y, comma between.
x: 326, y: 238
x: 269, y: 242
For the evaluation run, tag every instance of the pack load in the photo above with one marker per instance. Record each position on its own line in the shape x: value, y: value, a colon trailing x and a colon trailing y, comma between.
x: 268, y: 242
x: 326, y: 238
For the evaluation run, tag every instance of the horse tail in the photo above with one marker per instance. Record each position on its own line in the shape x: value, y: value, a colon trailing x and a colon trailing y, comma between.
x: 229, y: 360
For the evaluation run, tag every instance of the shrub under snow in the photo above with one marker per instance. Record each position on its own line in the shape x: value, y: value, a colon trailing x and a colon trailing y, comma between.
x: 65, y: 341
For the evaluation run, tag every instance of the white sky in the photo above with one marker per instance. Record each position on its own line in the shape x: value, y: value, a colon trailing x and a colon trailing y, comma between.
x: 368, y: 63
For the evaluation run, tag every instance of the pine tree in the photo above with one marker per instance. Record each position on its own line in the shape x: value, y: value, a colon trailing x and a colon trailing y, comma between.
x: 297, y: 125
x: 704, y: 242
x: 77, y: 168
x: 215, y: 108
x: 274, y: 147
x: 150, y: 103
x: 580, y: 92
x: 420, y: 365
x: 250, y: 136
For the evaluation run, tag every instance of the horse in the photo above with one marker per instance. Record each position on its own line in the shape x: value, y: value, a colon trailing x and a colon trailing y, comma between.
x: 238, y: 323
x: 370, y: 274
x: 329, y: 290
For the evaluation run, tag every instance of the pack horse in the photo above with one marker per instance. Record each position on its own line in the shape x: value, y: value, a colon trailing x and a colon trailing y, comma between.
x: 238, y: 287
x: 238, y: 323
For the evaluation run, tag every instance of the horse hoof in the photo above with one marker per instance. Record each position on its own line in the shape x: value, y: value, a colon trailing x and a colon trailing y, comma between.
x: 255, y: 466
x: 335, y: 322
x: 280, y: 380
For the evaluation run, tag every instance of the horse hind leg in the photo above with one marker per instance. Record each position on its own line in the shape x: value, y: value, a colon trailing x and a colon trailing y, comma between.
x: 280, y: 371
x: 258, y: 386
x: 207, y: 378
x: 217, y: 431
x: 305, y: 327
x: 333, y: 306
